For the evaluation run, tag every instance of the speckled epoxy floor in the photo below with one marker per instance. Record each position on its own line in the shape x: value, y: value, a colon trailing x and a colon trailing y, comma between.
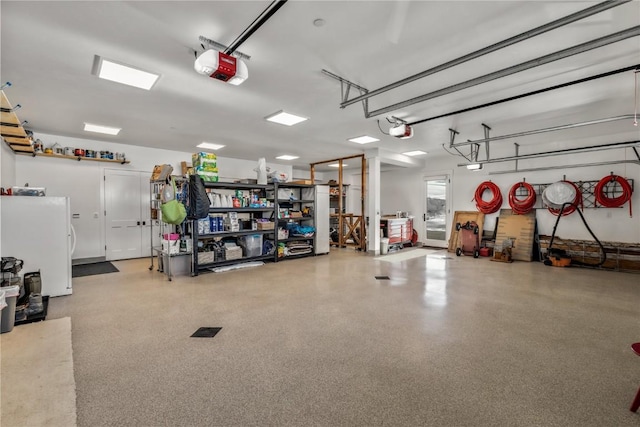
x: 446, y: 341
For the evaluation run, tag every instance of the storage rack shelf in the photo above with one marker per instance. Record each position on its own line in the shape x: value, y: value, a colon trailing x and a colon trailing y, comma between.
x: 228, y: 262
x: 301, y: 196
x: 234, y: 233
x: 158, y: 228
x: 239, y: 210
x: 77, y: 158
x: 244, y: 213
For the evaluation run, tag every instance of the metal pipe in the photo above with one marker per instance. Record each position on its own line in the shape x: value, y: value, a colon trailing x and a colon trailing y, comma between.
x: 600, y: 147
x: 582, y: 165
x: 494, y: 47
x: 535, y: 92
x: 551, y: 129
x: 257, y: 23
x: 555, y: 56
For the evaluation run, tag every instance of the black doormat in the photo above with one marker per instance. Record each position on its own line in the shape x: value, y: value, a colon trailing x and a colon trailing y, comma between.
x: 206, y: 332
x: 93, y: 269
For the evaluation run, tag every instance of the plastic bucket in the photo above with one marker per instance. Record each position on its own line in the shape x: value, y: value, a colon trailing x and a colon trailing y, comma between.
x: 9, y: 312
x: 384, y: 245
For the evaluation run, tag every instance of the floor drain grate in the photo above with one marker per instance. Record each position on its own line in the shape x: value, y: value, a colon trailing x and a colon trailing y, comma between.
x: 206, y: 332
x: 383, y: 278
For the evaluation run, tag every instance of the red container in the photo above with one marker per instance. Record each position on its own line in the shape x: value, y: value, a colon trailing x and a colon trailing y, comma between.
x: 485, y: 251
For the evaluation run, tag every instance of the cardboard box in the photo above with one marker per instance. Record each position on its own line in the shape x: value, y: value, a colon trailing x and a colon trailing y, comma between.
x: 161, y: 172
x: 303, y: 182
x: 265, y: 225
x: 520, y: 229
x: 205, y: 257
x: 185, y: 168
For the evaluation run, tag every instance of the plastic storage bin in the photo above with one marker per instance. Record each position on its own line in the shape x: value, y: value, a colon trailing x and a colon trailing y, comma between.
x: 9, y: 312
x: 384, y: 245
x: 252, y: 245
x: 3, y: 304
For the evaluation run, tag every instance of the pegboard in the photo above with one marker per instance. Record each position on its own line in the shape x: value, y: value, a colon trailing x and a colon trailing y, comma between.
x: 587, y: 189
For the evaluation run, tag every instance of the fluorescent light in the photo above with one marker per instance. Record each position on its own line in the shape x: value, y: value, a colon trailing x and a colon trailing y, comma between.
x: 474, y: 166
x: 364, y: 139
x: 415, y: 153
x: 120, y: 73
x: 287, y: 157
x: 284, y: 118
x: 210, y: 146
x: 337, y: 165
x: 101, y: 129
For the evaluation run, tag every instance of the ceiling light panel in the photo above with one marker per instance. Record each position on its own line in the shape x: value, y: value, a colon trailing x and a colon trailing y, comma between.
x: 287, y: 157
x: 337, y: 165
x: 284, y: 118
x: 89, y: 127
x: 124, y: 74
x: 365, y: 139
x: 415, y: 153
x: 210, y: 146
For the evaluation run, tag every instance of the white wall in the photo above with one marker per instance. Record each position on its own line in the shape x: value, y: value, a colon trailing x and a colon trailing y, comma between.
x: 83, y: 182
x: 7, y: 170
x: 404, y: 190
x: 8, y: 166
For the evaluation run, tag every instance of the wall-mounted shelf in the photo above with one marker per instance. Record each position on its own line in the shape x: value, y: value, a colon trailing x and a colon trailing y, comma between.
x: 11, y: 127
x: 77, y: 158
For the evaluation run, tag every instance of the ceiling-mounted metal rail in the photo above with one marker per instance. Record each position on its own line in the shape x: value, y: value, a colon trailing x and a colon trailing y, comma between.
x: 253, y: 27
x: 524, y: 95
x: 345, y: 88
x: 555, y: 56
x: 536, y: 131
x: 581, y: 165
x: 494, y: 47
x: 600, y: 147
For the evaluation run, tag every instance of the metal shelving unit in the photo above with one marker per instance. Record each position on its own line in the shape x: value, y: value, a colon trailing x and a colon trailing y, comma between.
x: 302, y: 198
x: 244, y: 213
x: 164, y: 257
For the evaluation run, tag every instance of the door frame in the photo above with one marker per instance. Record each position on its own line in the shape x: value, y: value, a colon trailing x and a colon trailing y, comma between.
x: 448, y: 175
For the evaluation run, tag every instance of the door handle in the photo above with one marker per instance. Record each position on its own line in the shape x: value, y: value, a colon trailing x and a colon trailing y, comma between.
x: 138, y: 222
x: 144, y: 222
x: 424, y: 216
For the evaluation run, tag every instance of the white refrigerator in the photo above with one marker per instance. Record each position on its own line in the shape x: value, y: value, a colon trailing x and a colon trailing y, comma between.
x: 37, y: 230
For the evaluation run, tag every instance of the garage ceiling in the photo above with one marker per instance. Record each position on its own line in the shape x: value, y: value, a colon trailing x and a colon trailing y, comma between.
x: 48, y: 50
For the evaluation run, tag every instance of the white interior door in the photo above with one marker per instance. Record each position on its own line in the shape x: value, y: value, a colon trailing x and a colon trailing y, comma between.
x: 437, y: 210
x: 123, y: 216
x: 145, y: 215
